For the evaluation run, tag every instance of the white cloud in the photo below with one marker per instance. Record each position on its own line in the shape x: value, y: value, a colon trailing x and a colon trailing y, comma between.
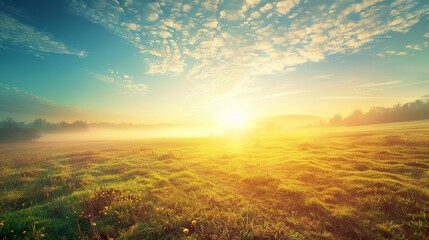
x: 133, y: 26
x: 210, y: 5
x: 164, y: 34
x: 221, y: 45
x: 255, y: 15
x: 396, y: 22
x: 155, y: 6
x: 284, y: 6
x: 323, y: 76
x: 267, y: 7
x: 415, y: 47
x: 211, y: 24
x: 124, y: 80
x: 153, y: 17
x: 104, y: 78
x: 128, y: 2
x: 231, y: 15
x: 17, y: 34
x: 252, y: 2
x: 426, y: 35
x: 187, y: 7
x: 370, y: 85
x: 172, y: 24
x: 392, y: 52
x: 359, y: 7
x: 20, y: 104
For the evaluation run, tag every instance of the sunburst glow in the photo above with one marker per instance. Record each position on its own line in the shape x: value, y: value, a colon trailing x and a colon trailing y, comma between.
x: 235, y: 119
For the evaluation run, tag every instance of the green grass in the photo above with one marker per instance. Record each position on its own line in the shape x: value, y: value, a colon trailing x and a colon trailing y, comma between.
x: 339, y: 183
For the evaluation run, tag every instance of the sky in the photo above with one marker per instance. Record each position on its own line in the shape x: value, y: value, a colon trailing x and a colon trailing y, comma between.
x: 189, y: 61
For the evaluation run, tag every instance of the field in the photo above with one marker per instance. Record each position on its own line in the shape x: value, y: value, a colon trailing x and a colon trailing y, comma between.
x: 334, y: 183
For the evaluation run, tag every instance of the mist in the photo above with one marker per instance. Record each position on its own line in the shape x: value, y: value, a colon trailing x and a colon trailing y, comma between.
x: 95, y: 134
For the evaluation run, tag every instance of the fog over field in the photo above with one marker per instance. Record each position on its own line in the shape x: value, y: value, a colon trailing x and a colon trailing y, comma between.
x: 122, y: 134
x: 341, y: 183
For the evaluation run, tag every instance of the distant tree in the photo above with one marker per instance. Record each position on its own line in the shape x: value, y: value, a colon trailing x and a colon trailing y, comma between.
x: 356, y: 118
x: 63, y: 125
x: 337, y: 120
x: 11, y: 131
x: 79, y: 125
x: 9, y: 123
x: 411, y: 111
x: 40, y: 123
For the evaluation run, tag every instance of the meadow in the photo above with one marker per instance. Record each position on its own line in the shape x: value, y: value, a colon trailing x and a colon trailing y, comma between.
x: 367, y: 182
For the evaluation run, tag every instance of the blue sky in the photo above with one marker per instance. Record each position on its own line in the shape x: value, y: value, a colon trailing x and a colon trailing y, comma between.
x: 187, y: 61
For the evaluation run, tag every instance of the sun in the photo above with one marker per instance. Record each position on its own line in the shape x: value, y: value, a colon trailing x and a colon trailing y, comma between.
x: 235, y: 119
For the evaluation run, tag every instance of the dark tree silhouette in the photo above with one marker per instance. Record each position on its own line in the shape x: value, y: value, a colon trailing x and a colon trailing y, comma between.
x: 11, y: 131
x: 417, y: 110
x: 45, y: 126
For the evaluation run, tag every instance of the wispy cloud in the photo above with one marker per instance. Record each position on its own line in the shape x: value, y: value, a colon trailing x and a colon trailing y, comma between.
x: 415, y: 47
x: 382, y: 84
x: 283, y: 86
x: 408, y: 84
x: 260, y: 98
x: 20, y: 104
x: 274, y: 95
x: 392, y: 52
x: 124, y: 80
x: 15, y: 34
x: 221, y: 44
x: 323, y: 76
x: 366, y: 98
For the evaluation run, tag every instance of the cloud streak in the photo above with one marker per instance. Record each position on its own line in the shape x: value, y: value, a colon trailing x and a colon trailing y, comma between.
x: 270, y: 96
x: 369, y: 85
x: 23, y: 105
x: 323, y: 76
x: 15, y: 34
x: 366, y: 98
x: 415, y: 47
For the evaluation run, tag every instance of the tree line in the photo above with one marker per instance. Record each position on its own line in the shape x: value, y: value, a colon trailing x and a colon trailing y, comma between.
x: 412, y: 111
x: 13, y: 131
